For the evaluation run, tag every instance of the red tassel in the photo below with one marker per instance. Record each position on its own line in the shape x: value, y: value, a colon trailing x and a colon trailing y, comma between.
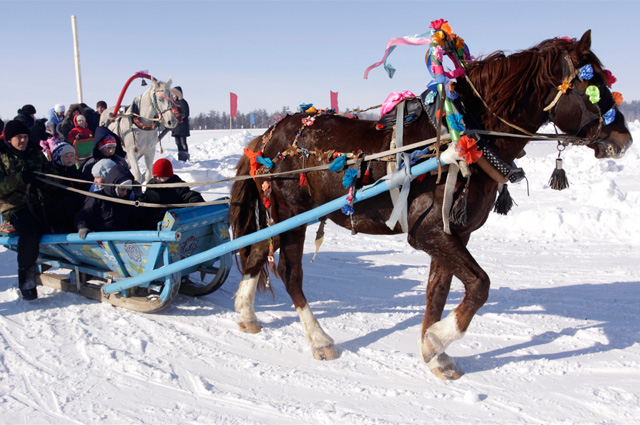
x: 367, y: 176
x: 421, y: 177
x: 303, y: 180
x: 266, y: 202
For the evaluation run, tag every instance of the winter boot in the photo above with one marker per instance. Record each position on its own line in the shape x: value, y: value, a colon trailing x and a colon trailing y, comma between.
x: 28, y: 279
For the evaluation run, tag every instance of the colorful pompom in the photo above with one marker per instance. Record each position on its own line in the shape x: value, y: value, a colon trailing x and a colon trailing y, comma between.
x: 586, y: 72
x: 455, y: 122
x: 594, y: 94
x: 467, y: 148
x: 349, y: 177
x: 609, y: 116
x: 347, y: 209
x: 610, y: 78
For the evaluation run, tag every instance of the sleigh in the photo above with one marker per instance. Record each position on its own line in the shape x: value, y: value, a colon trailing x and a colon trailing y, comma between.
x: 94, y: 267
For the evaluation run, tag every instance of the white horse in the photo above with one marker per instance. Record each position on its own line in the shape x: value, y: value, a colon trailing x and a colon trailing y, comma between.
x: 137, y: 125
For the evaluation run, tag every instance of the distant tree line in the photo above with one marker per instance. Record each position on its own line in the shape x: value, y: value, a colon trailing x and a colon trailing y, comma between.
x: 631, y: 110
x: 214, y: 120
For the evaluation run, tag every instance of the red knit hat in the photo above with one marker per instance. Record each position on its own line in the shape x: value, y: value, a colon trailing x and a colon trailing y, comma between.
x: 162, y: 168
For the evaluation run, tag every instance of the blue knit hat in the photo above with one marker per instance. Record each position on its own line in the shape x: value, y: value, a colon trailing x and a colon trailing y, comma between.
x: 59, y: 150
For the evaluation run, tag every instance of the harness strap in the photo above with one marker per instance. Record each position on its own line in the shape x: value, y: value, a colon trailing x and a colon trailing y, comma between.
x: 399, y: 196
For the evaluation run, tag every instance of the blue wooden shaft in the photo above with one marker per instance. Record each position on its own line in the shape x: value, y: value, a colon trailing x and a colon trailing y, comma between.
x: 263, y: 234
x: 135, y: 236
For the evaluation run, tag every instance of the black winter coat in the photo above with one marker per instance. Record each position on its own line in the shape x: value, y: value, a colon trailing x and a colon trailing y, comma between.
x: 183, y: 128
x: 100, y: 215
x: 166, y: 195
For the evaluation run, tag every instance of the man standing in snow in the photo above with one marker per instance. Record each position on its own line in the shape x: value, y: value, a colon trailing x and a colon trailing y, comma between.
x: 181, y: 132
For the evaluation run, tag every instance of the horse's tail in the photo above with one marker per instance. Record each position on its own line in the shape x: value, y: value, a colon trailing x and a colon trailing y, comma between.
x: 244, y: 214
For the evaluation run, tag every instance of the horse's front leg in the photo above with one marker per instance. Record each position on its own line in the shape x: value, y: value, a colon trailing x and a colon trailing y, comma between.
x: 132, y: 159
x: 450, y: 258
x: 149, y: 155
x: 290, y: 269
x: 438, y: 286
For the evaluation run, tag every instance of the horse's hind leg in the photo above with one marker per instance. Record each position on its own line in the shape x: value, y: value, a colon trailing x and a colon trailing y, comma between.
x: 290, y: 269
x: 245, y: 297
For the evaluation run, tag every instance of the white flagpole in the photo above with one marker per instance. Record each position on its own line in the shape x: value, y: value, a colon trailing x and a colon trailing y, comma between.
x: 76, y: 54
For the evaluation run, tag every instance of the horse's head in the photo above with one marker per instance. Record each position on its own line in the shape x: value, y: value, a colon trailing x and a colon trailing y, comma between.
x: 582, y: 104
x: 163, y: 104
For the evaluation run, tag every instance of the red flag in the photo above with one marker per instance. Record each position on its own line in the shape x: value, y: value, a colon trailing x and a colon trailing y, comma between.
x: 234, y: 105
x: 334, y: 101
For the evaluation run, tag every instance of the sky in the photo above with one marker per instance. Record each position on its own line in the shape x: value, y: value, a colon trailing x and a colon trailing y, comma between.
x: 276, y: 54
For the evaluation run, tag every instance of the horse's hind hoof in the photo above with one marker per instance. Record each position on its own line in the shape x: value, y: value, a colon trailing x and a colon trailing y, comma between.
x: 250, y: 327
x: 328, y: 352
x: 444, y: 367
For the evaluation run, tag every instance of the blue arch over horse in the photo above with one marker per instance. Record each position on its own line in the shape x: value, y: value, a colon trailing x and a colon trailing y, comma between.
x: 513, y: 94
x: 137, y: 125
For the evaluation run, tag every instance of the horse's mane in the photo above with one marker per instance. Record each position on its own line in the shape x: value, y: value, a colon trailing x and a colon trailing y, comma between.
x: 505, y: 81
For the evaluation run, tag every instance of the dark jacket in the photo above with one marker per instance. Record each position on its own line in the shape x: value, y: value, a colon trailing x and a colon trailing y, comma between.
x: 182, y: 129
x: 96, y: 155
x: 99, y: 215
x: 15, y: 194
x: 67, y: 124
x: 166, y: 195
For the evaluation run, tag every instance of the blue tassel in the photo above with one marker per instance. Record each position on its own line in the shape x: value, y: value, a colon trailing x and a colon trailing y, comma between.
x: 338, y: 163
x: 349, y: 177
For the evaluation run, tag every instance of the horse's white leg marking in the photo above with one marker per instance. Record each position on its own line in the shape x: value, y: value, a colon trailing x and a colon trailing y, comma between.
x: 439, y: 336
x: 322, y: 344
x: 244, y: 304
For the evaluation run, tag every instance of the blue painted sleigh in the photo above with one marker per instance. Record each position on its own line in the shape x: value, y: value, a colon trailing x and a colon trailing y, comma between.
x: 93, y: 267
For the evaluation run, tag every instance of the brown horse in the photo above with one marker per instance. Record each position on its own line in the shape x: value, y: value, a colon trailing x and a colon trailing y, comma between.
x: 516, y: 89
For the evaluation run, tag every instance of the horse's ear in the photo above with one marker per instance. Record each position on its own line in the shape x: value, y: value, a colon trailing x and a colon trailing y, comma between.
x: 584, y: 45
x: 169, y: 81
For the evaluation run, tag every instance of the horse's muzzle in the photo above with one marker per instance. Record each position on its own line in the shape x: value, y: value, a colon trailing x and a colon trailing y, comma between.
x: 611, y: 149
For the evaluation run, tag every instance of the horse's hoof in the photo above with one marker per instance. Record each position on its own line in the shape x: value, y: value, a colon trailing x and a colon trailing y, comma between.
x: 250, y: 327
x: 328, y: 352
x: 444, y: 367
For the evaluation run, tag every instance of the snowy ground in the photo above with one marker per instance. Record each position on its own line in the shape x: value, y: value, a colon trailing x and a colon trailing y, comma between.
x: 557, y: 342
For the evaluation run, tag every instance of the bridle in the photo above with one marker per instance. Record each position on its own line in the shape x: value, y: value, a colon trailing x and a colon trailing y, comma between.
x: 569, y: 74
x: 158, y: 118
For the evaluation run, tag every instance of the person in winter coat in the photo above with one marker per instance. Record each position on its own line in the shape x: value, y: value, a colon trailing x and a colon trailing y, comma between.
x: 26, y: 115
x: 24, y: 201
x: 63, y: 157
x: 100, y: 215
x: 48, y: 144
x: 163, y: 173
x: 80, y: 131
x: 67, y: 124
x: 182, y: 130
x: 105, y: 145
x: 100, y: 172
x: 56, y: 114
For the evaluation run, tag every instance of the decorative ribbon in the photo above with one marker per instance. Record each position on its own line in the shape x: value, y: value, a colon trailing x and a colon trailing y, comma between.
x: 416, y: 40
x: 393, y: 99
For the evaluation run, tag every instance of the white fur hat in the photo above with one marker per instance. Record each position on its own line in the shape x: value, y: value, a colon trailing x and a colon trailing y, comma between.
x: 59, y: 108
